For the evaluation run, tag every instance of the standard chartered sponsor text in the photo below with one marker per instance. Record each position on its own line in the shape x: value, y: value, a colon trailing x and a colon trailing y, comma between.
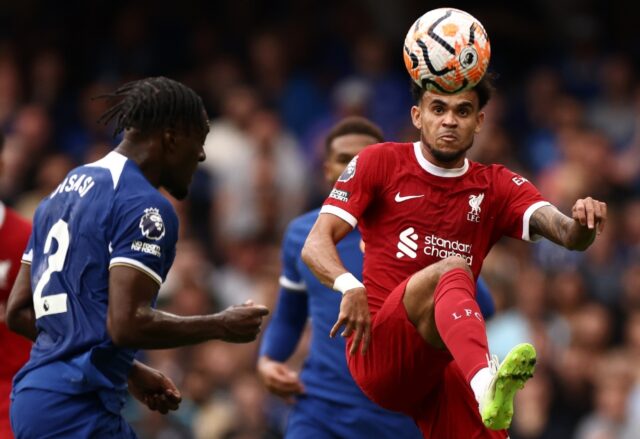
x: 442, y: 248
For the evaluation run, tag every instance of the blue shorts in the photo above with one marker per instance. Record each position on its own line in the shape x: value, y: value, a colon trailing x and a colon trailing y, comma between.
x: 316, y: 418
x: 41, y: 414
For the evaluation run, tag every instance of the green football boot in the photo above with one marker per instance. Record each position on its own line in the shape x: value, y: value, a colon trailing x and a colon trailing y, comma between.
x: 496, y: 408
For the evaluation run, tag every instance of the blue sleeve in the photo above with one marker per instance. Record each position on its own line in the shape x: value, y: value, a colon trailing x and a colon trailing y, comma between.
x: 144, y: 235
x: 291, y: 278
x: 283, y: 333
x: 484, y: 299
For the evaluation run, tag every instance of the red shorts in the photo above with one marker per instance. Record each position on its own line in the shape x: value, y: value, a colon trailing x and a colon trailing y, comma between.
x: 401, y: 372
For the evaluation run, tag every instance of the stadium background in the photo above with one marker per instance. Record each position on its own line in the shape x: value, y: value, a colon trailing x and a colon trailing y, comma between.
x: 274, y: 76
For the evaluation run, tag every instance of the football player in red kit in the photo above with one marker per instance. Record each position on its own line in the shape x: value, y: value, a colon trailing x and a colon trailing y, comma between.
x: 429, y: 216
x: 14, y: 235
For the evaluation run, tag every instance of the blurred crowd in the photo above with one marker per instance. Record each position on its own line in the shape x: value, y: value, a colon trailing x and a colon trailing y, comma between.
x: 275, y: 76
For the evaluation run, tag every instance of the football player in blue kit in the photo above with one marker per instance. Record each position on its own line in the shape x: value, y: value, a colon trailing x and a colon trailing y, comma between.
x: 328, y: 403
x: 102, y: 243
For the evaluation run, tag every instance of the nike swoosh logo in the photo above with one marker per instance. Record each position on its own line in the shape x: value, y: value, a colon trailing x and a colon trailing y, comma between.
x: 400, y: 199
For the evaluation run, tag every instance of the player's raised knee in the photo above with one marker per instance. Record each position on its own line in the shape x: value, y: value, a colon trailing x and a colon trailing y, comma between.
x: 455, y: 262
x: 423, y: 283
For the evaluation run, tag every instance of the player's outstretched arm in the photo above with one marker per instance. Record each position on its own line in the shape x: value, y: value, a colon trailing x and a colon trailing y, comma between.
x: 576, y: 233
x: 21, y: 317
x: 132, y: 322
x: 319, y: 251
x: 321, y: 256
x: 278, y: 343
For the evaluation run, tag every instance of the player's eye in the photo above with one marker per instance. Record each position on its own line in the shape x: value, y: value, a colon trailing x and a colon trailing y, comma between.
x: 344, y: 159
x: 438, y: 109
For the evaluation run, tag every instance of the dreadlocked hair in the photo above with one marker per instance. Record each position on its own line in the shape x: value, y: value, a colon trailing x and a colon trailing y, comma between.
x: 154, y: 103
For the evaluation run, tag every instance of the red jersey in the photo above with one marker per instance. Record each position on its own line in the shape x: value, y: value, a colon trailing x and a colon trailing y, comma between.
x: 412, y: 213
x: 14, y: 235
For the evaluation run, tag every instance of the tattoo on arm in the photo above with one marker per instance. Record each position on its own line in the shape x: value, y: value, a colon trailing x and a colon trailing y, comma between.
x: 552, y: 224
x: 561, y: 229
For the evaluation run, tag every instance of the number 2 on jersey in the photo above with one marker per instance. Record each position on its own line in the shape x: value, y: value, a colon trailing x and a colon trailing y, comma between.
x: 55, y: 303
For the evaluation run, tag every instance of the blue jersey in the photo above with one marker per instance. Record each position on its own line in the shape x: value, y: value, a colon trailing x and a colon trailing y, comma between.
x: 325, y: 373
x: 103, y: 214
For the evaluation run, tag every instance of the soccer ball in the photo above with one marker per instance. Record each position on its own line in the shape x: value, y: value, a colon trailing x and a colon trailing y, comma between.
x: 446, y: 51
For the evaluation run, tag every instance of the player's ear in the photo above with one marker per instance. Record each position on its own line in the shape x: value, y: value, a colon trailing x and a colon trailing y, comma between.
x: 415, y: 117
x: 479, y: 121
x: 169, y: 139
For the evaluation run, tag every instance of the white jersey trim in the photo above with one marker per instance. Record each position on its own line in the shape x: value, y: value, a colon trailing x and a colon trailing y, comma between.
x: 340, y: 213
x: 2, y: 213
x: 136, y: 264
x: 437, y: 170
x: 114, y: 162
x: 287, y: 283
x: 28, y: 257
x: 527, y: 217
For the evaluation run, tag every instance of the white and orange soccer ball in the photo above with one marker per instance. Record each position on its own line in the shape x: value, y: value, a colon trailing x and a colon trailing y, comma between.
x: 447, y: 50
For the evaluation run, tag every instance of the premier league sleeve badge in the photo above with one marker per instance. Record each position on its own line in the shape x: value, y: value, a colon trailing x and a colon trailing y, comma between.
x: 151, y: 224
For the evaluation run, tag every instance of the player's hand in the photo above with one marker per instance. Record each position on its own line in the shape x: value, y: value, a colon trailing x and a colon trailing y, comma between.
x: 241, y: 323
x: 153, y: 388
x: 590, y: 213
x: 279, y: 379
x: 355, y: 317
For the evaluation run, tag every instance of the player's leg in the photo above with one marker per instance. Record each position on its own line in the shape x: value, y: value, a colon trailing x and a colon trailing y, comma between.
x: 399, y: 370
x: 308, y: 419
x: 440, y: 302
x: 454, y: 405
x: 367, y: 422
x: 41, y: 414
x: 38, y: 413
x: 316, y: 418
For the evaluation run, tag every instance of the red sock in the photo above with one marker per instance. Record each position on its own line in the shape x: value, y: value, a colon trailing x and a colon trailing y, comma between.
x: 460, y: 322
